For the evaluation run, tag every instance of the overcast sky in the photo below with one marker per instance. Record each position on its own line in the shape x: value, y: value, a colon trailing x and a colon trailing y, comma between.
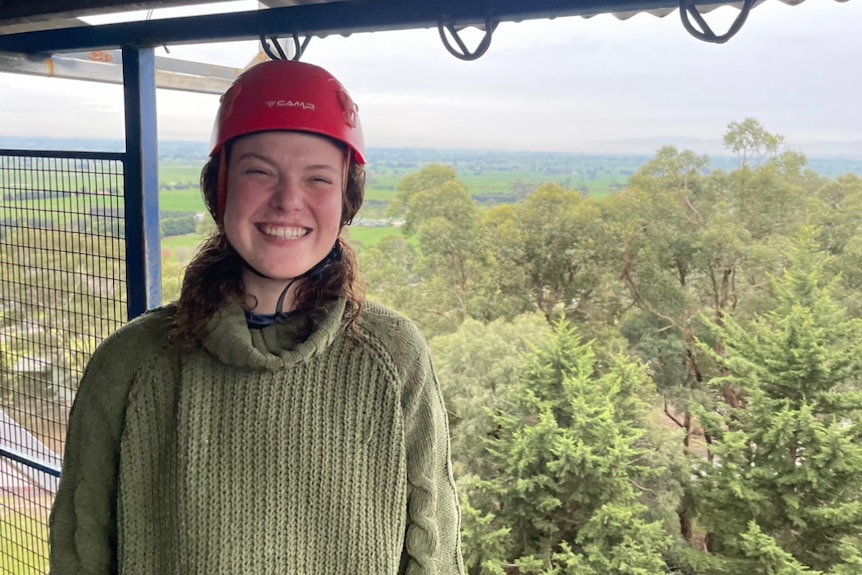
x: 568, y: 84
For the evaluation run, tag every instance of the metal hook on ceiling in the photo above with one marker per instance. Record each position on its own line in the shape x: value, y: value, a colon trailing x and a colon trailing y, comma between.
x: 688, y: 7
x: 298, y: 48
x: 464, y: 53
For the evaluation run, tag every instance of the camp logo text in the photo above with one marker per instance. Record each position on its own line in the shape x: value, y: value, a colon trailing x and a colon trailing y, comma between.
x: 289, y: 104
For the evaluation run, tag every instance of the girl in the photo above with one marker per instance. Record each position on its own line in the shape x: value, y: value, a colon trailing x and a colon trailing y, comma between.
x: 271, y: 421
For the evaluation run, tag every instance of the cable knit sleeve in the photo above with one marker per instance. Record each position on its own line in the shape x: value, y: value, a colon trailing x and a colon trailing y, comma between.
x: 83, y: 522
x: 433, y: 530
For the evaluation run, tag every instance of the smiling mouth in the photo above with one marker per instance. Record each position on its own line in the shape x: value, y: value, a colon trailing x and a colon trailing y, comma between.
x: 284, y: 232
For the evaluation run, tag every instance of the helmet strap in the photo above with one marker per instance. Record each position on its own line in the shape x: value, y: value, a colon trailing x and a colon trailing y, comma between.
x: 335, y: 255
x: 221, y: 197
x: 346, y: 171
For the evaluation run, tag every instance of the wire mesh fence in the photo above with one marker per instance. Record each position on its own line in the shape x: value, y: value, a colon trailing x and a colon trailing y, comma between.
x: 62, y: 290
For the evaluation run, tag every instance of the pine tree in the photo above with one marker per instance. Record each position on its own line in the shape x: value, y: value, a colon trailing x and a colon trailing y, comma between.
x: 570, y: 453
x: 783, y: 493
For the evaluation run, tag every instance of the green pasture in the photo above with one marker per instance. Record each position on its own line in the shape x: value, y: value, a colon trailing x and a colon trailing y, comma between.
x: 189, y: 200
x: 180, y: 249
x: 23, y: 544
x: 368, y: 236
x: 170, y: 173
x: 596, y: 183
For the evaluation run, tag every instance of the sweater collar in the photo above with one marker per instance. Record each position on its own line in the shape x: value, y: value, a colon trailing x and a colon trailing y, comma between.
x: 274, y: 347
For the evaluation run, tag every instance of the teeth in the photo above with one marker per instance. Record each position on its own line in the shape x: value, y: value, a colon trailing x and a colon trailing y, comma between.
x: 284, y: 233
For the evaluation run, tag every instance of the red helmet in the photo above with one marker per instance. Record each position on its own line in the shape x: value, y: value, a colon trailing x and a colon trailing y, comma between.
x: 288, y: 95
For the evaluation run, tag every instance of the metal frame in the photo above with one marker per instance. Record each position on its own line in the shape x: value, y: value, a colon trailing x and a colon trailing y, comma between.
x: 31, y: 455
x: 106, y: 67
x: 322, y: 19
x: 141, y: 175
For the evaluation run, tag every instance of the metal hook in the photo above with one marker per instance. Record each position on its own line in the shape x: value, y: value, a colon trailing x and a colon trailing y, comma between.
x: 265, y: 43
x: 465, y: 53
x: 299, y: 48
x: 705, y: 33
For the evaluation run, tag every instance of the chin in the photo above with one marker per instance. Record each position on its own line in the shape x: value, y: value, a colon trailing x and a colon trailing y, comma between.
x: 282, y: 275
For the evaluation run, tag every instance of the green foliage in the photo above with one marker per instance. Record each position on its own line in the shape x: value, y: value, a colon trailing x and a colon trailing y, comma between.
x: 788, y: 461
x: 549, y: 247
x: 751, y: 142
x: 178, y: 226
x: 765, y: 557
x: 439, y: 211
x: 567, y: 456
x: 424, y: 181
x: 477, y: 365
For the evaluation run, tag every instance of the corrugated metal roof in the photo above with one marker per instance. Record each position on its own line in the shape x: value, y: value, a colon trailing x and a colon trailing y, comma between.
x: 51, y: 29
x: 706, y: 8
x: 34, y: 16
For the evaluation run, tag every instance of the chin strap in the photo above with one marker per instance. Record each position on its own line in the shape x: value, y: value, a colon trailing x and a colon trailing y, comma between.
x: 335, y: 255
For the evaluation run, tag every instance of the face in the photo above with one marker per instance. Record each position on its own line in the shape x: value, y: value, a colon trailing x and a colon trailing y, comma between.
x: 283, y: 208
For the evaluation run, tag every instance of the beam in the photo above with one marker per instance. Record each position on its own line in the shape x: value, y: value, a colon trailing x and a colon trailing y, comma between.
x: 345, y: 17
x: 106, y: 67
x: 20, y: 27
x: 141, y: 183
x: 14, y: 11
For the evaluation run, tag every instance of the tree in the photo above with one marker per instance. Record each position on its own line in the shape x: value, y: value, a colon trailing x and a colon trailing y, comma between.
x: 428, y: 179
x: 693, y: 246
x: 440, y: 213
x: 785, y: 486
x: 477, y: 365
x: 569, y: 459
x: 550, y: 247
x: 751, y: 142
x: 840, y: 207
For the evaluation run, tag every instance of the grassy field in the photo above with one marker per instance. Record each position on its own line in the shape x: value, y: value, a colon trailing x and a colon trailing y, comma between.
x: 172, y: 173
x: 372, y: 236
x: 181, y: 201
x: 23, y: 543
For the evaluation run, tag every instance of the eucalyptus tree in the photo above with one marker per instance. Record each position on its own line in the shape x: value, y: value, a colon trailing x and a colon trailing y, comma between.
x: 550, y: 250
x: 695, y: 246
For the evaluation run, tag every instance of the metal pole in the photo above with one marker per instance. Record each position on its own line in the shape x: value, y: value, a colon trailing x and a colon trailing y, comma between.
x: 141, y: 178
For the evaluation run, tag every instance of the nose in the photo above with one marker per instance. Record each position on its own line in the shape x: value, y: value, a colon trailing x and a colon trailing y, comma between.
x: 287, y: 195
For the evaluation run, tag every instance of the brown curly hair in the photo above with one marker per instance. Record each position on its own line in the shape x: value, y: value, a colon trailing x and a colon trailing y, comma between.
x: 214, y: 276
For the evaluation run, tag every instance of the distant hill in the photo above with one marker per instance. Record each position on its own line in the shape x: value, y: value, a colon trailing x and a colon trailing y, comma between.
x: 829, y: 159
x: 713, y: 147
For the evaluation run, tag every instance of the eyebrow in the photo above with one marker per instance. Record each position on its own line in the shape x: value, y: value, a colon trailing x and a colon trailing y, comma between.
x: 257, y: 156
x: 321, y: 167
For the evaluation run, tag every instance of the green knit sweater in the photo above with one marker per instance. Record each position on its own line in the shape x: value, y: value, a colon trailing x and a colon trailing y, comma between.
x: 295, y: 449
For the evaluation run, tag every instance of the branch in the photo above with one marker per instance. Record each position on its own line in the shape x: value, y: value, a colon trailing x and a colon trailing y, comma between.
x: 671, y: 417
x: 642, y: 488
x: 639, y: 299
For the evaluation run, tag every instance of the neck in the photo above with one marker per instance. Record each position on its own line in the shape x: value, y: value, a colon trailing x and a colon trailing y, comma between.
x: 263, y: 293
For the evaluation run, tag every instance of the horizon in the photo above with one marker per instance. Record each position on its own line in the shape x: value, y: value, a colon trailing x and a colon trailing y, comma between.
x: 639, y: 147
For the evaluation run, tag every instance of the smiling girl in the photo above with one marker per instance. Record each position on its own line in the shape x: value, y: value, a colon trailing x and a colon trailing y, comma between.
x: 271, y: 421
